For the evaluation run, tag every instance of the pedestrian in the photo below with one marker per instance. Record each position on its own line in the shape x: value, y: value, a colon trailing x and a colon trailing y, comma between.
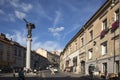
x: 52, y: 71
x: 13, y: 72
x: 21, y: 75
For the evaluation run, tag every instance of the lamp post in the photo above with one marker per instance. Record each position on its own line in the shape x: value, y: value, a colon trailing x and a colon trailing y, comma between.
x: 29, y: 26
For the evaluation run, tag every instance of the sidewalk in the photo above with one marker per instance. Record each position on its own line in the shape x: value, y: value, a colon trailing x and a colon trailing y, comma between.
x: 78, y: 75
x: 72, y: 74
x: 16, y: 74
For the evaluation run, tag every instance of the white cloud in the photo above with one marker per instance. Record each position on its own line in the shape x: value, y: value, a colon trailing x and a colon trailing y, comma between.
x: 55, y: 31
x: 58, y: 29
x: 14, y: 3
x: 69, y: 5
x: 9, y: 17
x: 76, y: 26
x: 48, y: 45
x: 1, y: 11
x: 26, y: 7
x: 23, y: 6
x: 20, y: 15
x: 57, y: 18
x: 41, y: 11
x: 20, y: 37
x: 56, y: 34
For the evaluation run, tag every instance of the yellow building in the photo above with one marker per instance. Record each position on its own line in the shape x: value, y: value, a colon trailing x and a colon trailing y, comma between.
x: 52, y: 57
x: 96, y: 44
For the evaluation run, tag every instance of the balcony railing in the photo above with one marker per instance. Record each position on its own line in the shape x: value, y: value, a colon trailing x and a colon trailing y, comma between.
x: 115, y: 25
x: 103, y: 33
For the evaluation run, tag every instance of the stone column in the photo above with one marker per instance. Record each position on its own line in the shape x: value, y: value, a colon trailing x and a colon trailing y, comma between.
x: 28, y: 53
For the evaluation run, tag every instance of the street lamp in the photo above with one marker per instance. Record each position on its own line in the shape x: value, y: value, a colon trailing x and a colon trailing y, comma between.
x: 29, y: 26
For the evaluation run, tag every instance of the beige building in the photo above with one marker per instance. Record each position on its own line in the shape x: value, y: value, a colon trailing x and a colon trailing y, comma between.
x: 13, y: 55
x: 52, y: 57
x: 96, y: 44
x: 19, y: 55
x: 6, y: 51
x: 42, y: 52
x: 38, y: 62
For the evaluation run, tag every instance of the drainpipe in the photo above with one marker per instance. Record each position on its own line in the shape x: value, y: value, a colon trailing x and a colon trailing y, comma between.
x: 119, y: 41
x: 85, y: 49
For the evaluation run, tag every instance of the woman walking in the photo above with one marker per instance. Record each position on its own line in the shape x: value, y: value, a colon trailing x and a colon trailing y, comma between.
x: 21, y: 75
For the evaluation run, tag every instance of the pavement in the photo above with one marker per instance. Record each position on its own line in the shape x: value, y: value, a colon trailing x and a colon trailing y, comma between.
x: 45, y: 75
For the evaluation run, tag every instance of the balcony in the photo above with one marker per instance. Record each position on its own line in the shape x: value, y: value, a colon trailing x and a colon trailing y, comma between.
x: 115, y: 25
x: 103, y: 33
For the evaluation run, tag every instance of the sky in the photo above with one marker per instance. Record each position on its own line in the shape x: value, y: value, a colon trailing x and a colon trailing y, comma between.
x: 56, y: 21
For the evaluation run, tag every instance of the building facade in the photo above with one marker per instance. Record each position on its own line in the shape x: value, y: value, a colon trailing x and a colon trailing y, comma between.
x: 38, y: 62
x: 52, y: 57
x: 96, y: 44
x: 6, y: 51
x: 19, y: 55
x: 13, y: 56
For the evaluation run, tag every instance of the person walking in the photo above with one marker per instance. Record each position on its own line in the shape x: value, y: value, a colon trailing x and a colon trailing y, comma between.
x: 52, y: 71
x: 13, y: 72
x: 21, y: 75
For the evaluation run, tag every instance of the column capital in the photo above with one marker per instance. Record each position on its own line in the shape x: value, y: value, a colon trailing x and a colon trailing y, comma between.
x: 29, y: 39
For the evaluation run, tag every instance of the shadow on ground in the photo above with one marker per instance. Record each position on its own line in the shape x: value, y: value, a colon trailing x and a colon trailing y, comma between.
x: 50, y: 78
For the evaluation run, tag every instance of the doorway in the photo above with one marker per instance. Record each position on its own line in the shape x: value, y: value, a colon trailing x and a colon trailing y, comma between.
x: 83, y: 67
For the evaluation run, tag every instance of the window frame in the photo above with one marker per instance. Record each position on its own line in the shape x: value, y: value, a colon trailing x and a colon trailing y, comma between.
x: 104, y: 48
x: 90, y: 53
x: 117, y: 15
x: 91, y: 35
x: 104, y: 24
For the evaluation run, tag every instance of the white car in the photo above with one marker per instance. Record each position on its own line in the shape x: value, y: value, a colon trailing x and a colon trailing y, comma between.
x: 55, y: 69
x: 34, y: 70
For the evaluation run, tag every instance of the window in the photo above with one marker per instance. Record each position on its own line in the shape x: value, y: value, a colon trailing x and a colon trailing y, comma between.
x: 8, y: 53
x: 19, y: 54
x: 82, y: 41
x: 1, y: 46
x: 70, y: 48
x: 105, y: 68
x: 91, y: 34
x: 115, y: 24
x: 1, y: 51
x: 75, y: 61
x: 104, y: 24
x: 117, y: 66
x: 104, y: 48
x: 75, y: 45
x: 15, y: 51
x: 117, y: 15
x: 90, y: 52
x: 67, y: 63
